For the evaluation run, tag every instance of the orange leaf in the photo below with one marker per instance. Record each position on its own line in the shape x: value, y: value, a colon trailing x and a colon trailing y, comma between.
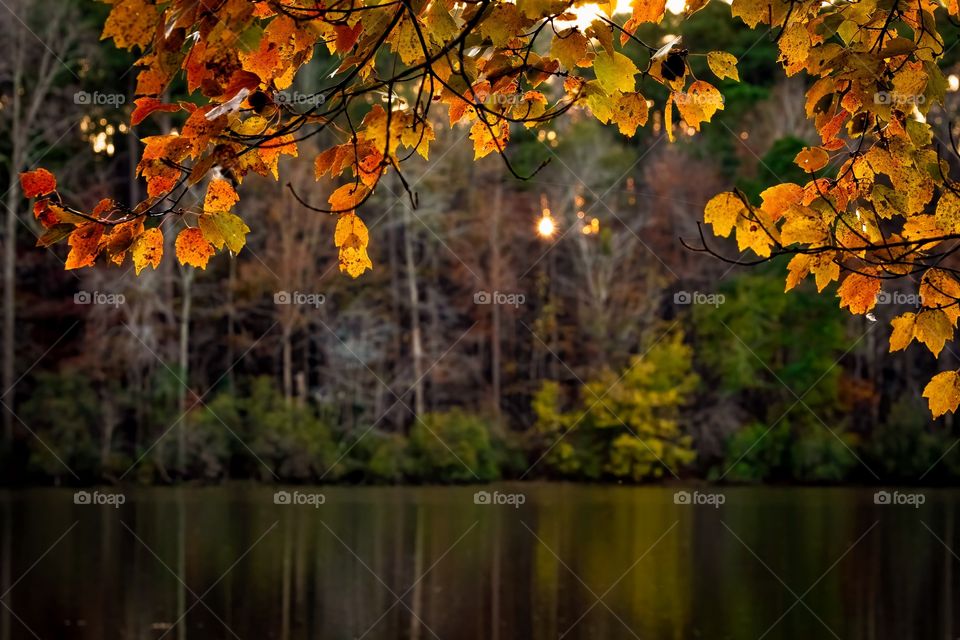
x: 193, y: 248
x: 84, y: 243
x: 146, y: 106
x: 347, y: 197
x: 38, y: 182
x: 812, y: 159
x: 220, y: 196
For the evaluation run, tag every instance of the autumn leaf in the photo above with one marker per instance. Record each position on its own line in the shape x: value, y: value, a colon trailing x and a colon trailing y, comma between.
x: 147, y: 249
x: 347, y: 197
x: 220, y: 196
x: 615, y: 72
x: 858, y: 292
x: 943, y: 393
x: 84, y: 243
x: 224, y: 229
x: 933, y: 329
x: 723, y: 65
x: 630, y: 112
x: 193, y: 249
x: 38, y: 182
x: 723, y: 211
x: 904, y: 328
x: 812, y: 159
x: 148, y: 105
x: 352, y: 238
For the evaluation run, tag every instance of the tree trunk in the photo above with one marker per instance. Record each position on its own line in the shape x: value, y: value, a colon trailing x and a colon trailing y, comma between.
x: 186, y: 303
x: 495, y: 309
x: 416, y: 343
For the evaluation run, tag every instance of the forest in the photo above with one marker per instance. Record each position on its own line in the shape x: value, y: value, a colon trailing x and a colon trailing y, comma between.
x: 563, y: 316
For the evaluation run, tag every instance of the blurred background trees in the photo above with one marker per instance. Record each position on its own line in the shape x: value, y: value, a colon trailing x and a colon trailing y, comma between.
x: 477, y: 348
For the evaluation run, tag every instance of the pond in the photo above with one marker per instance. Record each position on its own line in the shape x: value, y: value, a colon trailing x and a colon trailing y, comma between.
x: 520, y: 561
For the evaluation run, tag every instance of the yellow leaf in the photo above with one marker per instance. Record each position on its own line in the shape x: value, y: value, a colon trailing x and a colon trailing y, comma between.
x: 352, y: 238
x: 723, y: 65
x: 615, y: 72
x: 948, y: 212
x: 858, y: 292
x: 933, y: 329
x: 941, y: 290
x: 699, y: 103
x: 630, y: 112
x: 483, y: 138
x: 903, y: 330
x: 220, y: 196
x: 648, y: 10
x: 225, y: 228
x: 148, y: 249
x: 571, y: 48
x: 943, y: 393
x: 723, y: 211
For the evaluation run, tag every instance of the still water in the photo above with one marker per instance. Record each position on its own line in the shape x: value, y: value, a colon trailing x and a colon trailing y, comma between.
x: 571, y: 562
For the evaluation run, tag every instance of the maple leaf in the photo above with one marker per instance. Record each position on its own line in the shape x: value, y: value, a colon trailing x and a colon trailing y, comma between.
x: 224, y: 229
x: 84, y: 242
x: 943, y: 393
x: 352, y: 238
x: 147, y: 249
x: 723, y: 65
x: 812, y: 159
x: 146, y: 106
x: 723, y: 211
x: 220, y: 196
x: 858, y: 292
x: 193, y: 248
x: 38, y: 182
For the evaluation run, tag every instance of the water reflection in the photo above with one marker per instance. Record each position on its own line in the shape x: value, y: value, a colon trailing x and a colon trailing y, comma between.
x: 571, y: 562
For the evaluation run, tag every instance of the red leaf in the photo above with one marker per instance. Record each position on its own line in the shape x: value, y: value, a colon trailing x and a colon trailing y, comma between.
x: 38, y: 182
x: 146, y: 106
